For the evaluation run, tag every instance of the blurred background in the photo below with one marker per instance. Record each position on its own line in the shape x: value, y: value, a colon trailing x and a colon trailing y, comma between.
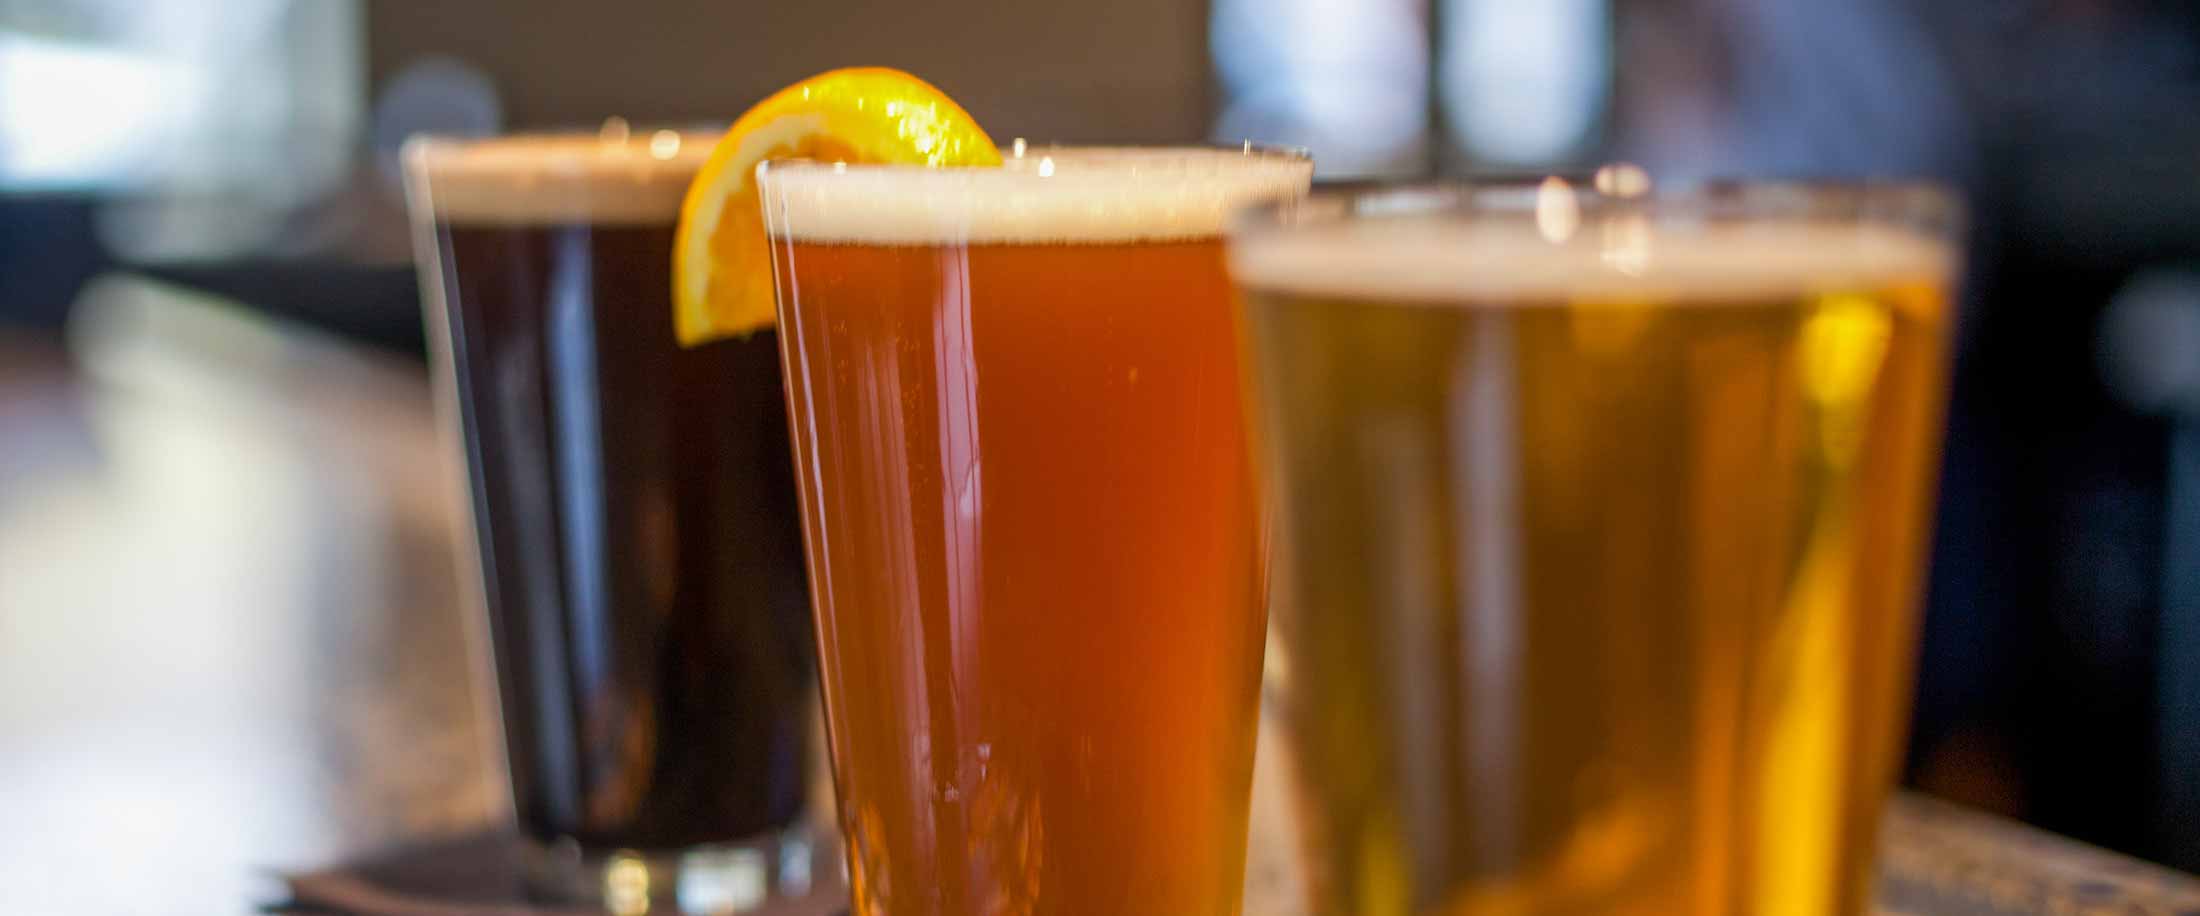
x: 214, y: 431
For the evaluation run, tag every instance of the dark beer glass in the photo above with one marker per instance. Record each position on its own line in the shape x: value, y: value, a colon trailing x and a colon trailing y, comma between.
x: 633, y: 509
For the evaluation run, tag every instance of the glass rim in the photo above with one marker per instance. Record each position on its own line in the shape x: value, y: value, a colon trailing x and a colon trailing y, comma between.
x: 1024, y: 149
x: 1096, y: 194
x: 613, y: 174
x: 611, y: 131
x: 572, y: 147
x: 1929, y: 206
x: 1551, y: 237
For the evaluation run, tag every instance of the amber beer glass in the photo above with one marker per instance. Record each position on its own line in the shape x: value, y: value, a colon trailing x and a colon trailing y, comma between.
x: 634, y: 512
x: 1602, y: 527
x: 1032, y: 525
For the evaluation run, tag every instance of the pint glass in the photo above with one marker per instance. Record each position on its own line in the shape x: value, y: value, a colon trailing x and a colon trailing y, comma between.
x: 1602, y: 523
x: 1033, y: 531
x: 634, y: 512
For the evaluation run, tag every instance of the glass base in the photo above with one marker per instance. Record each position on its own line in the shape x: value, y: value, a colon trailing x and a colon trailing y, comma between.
x: 717, y: 878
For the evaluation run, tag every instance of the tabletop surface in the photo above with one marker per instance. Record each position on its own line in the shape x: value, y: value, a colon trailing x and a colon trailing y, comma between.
x: 233, y: 643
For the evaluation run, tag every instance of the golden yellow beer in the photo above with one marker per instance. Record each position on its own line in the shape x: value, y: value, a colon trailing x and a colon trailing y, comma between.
x: 1602, y: 542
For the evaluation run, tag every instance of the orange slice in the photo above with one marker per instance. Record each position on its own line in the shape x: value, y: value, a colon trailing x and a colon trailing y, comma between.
x: 721, y: 262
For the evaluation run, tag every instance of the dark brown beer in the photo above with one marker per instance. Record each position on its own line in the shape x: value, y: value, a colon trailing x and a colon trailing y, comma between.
x: 633, y: 503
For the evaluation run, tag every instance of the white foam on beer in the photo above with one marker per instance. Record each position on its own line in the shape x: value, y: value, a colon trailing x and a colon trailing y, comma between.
x: 625, y: 178
x: 1489, y: 260
x: 1049, y: 195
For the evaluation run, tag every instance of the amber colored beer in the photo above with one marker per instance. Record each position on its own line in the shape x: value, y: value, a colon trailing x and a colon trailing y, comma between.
x: 1602, y: 546
x: 1032, y: 525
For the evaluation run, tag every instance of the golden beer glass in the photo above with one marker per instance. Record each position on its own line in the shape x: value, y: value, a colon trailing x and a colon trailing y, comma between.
x: 1602, y: 523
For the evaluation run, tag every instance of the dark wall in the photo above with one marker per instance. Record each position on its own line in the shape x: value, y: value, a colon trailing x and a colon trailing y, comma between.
x: 1119, y: 70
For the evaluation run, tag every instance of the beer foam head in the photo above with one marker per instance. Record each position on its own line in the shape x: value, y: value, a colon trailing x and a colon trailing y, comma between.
x: 556, y: 178
x: 1441, y: 259
x: 1044, y: 196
